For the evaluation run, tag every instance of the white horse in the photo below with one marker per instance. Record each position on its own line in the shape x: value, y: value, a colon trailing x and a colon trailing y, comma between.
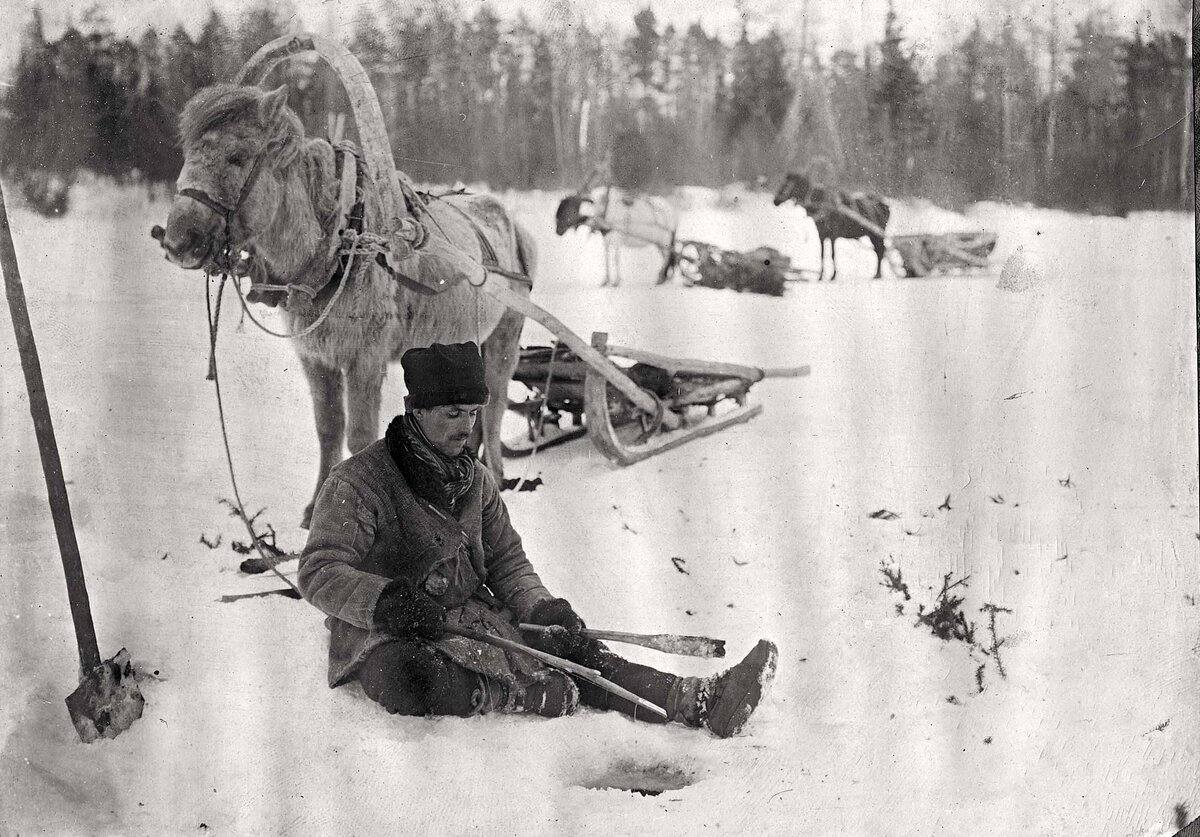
x: 253, y: 181
x: 623, y: 220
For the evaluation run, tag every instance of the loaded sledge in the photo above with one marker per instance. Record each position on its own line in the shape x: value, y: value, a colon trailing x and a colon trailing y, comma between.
x: 763, y: 270
x: 926, y: 254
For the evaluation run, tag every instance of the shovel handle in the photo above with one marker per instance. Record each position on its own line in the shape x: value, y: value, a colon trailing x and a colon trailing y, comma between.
x: 56, y: 488
x: 691, y: 646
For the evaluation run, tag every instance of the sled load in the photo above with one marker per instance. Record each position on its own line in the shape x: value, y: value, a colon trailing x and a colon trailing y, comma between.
x: 925, y: 254
x: 634, y: 404
x: 763, y: 270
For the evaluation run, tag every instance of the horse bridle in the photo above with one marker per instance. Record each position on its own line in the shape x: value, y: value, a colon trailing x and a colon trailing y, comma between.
x: 228, y: 213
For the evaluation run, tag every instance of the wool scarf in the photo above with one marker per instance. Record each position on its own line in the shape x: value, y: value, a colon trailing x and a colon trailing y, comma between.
x: 440, y: 479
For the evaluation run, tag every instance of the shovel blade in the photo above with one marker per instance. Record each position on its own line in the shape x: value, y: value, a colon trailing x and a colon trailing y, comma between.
x: 107, y: 701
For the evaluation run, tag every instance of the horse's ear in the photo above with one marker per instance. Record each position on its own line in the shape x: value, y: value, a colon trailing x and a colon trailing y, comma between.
x: 272, y: 103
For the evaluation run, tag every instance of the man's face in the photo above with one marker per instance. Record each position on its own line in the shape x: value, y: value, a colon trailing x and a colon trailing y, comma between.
x: 448, y: 426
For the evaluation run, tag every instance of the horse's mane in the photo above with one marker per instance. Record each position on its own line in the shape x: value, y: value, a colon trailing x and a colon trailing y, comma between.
x: 226, y: 105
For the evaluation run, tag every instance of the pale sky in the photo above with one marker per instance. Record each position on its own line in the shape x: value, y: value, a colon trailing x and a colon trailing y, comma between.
x: 929, y: 25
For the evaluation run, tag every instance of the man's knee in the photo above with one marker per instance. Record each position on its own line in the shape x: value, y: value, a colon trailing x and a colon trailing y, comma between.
x: 412, y: 678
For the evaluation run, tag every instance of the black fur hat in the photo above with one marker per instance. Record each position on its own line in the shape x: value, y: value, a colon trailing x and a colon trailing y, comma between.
x: 444, y: 374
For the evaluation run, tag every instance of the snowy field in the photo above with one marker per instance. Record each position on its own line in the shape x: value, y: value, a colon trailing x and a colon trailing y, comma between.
x: 1041, y: 442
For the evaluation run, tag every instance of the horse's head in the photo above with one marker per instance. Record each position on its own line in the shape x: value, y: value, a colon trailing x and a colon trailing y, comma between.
x: 794, y: 187
x: 235, y: 139
x: 570, y: 213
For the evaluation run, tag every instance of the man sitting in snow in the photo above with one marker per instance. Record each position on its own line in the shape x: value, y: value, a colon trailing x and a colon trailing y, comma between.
x: 410, y: 535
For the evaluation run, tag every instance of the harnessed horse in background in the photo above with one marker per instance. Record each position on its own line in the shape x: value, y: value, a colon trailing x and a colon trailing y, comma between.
x: 623, y: 220
x: 838, y: 214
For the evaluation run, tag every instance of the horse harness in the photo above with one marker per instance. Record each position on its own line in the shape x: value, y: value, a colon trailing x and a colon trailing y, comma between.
x: 817, y: 211
x: 490, y: 262
x: 351, y: 171
x: 227, y: 213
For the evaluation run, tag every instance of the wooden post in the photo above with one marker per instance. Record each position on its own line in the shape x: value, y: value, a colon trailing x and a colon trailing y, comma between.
x: 39, y: 406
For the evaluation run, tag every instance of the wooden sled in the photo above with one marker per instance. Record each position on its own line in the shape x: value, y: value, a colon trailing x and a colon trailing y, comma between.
x: 685, y: 394
x: 610, y: 393
x: 564, y: 387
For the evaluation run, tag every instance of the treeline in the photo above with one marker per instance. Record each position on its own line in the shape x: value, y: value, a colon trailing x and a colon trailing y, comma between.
x: 1095, y: 120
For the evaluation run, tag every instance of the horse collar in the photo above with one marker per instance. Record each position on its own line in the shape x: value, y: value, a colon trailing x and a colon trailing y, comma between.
x: 351, y: 208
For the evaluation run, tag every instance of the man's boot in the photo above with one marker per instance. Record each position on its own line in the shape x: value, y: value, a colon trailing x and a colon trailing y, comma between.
x: 724, y: 702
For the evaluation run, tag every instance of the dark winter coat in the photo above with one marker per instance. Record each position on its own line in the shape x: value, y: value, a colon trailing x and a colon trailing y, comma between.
x: 369, y: 527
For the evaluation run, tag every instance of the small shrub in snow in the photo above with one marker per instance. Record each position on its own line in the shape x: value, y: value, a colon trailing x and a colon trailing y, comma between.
x: 946, y: 620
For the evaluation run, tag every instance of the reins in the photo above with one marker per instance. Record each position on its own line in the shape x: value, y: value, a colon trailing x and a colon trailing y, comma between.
x: 225, y: 259
x: 214, y: 319
x: 311, y: 327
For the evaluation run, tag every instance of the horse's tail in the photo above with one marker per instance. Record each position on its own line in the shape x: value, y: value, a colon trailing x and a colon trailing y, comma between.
x: 526, y: 251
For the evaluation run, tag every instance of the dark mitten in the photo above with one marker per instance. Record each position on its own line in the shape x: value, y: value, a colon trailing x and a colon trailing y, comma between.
x: 565, y: 636
x: 403, y: 610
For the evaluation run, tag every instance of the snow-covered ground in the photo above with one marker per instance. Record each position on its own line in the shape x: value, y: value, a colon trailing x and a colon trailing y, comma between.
x: 1041, y: 442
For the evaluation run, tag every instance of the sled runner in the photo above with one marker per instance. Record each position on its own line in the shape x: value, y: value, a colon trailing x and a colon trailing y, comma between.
x: 629, y: 414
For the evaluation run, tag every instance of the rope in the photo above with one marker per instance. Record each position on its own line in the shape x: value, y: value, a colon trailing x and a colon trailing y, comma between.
x: 213, y: 322
x: 541, y: 422
x: 354, y: 250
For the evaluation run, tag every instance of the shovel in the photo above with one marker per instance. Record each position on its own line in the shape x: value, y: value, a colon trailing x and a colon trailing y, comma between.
x: 107, y: 701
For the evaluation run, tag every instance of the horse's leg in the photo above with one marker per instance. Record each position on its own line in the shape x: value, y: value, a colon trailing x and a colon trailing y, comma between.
x: 501, y: 353
x: 607, y: 273
x: 325, y: 384
x: 833, y: 257
x: 821, y: 272
x: 364, y: 388
x: 880, y: 249
x: 668, y: 268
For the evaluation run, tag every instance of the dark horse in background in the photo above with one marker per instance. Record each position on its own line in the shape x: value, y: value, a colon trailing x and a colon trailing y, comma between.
x: 833, y: 211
